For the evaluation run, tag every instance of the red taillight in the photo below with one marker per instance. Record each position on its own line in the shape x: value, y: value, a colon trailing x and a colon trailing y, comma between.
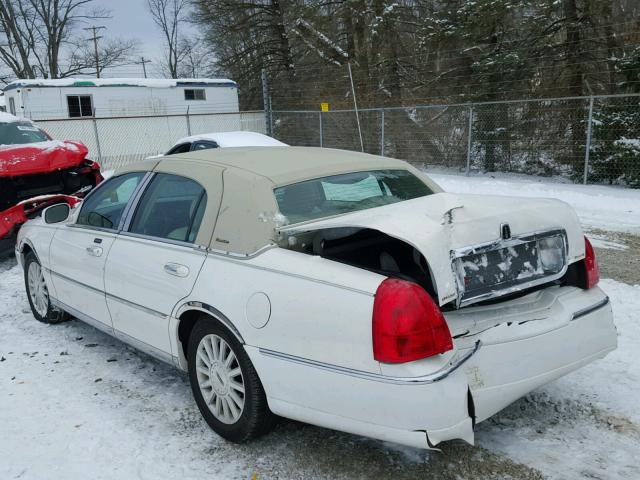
x: 591, y: 270
x: 407, y: 324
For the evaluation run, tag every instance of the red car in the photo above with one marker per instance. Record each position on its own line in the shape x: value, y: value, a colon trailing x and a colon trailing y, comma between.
x: 36, y: 171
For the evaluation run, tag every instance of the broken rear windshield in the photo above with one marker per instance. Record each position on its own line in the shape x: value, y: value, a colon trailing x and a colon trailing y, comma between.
x: 18, y: 133
x: 348, y: 192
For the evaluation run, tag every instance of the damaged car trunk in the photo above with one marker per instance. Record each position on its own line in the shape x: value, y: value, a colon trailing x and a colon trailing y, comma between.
x: 459, y: 250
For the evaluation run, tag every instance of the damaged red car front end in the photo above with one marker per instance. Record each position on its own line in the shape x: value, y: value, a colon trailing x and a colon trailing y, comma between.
x: 36, y: 172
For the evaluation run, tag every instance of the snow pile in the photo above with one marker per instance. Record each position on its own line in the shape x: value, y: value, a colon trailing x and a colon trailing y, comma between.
x: 604, y: 207
x: 109, y: 82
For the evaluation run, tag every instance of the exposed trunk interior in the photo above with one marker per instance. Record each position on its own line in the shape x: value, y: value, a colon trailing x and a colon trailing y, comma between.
x: 368, y: 249
x: 380, y: 253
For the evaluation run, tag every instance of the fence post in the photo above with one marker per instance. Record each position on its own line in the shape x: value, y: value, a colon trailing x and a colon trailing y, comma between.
x: 469, y: 139
x: 95, y: 132
x: 270, y: 123
x: 588, y: 146
x: 320, y: 124
x: 382, y: 132
x: 188, y: 123
x: 266, y: 103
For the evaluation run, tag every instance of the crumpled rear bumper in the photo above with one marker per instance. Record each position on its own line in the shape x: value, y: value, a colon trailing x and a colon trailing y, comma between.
x: 517, y: 356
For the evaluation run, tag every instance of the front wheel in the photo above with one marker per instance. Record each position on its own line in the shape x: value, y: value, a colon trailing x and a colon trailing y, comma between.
x: 225, y: 385
x: 38, y: 293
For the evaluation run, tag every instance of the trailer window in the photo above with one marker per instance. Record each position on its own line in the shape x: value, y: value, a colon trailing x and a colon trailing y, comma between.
x: 194, y: 94
x: 80, y: 106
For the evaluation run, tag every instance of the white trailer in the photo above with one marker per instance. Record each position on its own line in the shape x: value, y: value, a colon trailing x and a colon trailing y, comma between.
x: 119, y: 97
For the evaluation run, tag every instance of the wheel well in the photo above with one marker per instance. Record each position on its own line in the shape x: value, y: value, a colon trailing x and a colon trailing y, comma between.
x: 189, y: 319
x: 187, y: 322
x: 26, y: 250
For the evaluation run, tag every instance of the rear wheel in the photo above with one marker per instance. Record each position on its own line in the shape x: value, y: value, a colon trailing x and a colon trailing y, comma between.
x: 225, y: 385
x: 38, y: 293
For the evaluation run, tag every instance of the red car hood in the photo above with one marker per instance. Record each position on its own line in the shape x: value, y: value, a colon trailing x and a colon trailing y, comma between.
x: 41, y: 157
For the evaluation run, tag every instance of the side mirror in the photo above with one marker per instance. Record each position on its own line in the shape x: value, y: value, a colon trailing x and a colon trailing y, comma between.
x: 56, y: 213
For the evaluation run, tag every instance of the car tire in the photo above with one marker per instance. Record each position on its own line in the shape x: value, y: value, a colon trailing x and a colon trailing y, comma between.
x: 225, y: 385
x: 38, y: 293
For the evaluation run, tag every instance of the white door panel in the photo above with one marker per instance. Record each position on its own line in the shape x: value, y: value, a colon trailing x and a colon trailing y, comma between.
x: 77, y: 258
x: 144, y: 280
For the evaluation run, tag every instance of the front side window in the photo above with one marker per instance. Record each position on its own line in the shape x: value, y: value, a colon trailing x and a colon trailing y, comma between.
x: 171, y: 208
x: 104, y: 207
x: 348, y: 192
x: 80, y: 106
x: 194, y: 94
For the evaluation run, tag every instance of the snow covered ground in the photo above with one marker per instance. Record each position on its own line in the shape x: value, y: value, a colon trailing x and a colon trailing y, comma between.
x: 77, y: 404
x: 598, y: 206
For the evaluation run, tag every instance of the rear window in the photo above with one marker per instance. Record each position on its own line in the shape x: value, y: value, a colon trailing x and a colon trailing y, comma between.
x: 348, y: 192
x: 17, y: 133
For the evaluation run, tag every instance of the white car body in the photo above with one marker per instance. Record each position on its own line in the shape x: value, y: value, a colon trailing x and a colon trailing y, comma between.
x: 305, y: 320
x: 223, y: 140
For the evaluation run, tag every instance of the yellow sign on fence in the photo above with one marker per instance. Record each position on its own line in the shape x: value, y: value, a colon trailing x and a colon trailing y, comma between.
x: 324, y: 107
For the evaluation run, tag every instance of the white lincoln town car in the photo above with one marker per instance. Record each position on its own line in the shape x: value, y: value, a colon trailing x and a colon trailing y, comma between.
x: 336, y: 288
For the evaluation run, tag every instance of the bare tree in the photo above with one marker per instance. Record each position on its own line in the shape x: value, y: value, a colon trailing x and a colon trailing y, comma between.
x: 38, y: 38
x: 113, y: 52
x: 197, y: 59
x: 169, y: 16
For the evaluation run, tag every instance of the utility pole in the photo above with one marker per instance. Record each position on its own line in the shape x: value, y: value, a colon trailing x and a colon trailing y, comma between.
x: 95, y: 29
x: 143, y: 61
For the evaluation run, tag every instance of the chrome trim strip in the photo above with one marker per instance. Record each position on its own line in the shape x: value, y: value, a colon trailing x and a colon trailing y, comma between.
x: 241, y: 261
x: 150, y: 311
x: 109, y: 330
x: 132, y: 204
x: 144, y: 347
x: 441, y: 374
x: 178, y: 243
x: 111, y: 296
x: 586, y: 311
x: 215, y: 313
x: 241, y: 256
x: 80, y: 284
x: 83, y: 317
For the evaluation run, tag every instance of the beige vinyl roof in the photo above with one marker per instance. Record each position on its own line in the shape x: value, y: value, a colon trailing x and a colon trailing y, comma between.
x: 244, y: 220
x: 284, y: 165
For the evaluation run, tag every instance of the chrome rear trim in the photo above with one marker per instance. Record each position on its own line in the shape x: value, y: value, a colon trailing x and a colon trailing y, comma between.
x: 441, y: 374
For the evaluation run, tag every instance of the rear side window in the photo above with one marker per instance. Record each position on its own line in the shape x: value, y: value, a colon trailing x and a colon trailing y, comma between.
x: 171, y: 208
x: 104, y: 207
x: 347, y: 192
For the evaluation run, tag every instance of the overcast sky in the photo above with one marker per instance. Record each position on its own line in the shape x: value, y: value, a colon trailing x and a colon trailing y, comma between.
x: 131, y: 19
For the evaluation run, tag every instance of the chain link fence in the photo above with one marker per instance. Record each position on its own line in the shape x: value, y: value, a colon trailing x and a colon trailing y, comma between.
x: 584, y: 139
x: 116, y: 141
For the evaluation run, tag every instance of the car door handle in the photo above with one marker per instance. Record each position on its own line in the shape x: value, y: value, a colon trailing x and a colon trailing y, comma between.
x: 176, y: 269
x: 94, y: 251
